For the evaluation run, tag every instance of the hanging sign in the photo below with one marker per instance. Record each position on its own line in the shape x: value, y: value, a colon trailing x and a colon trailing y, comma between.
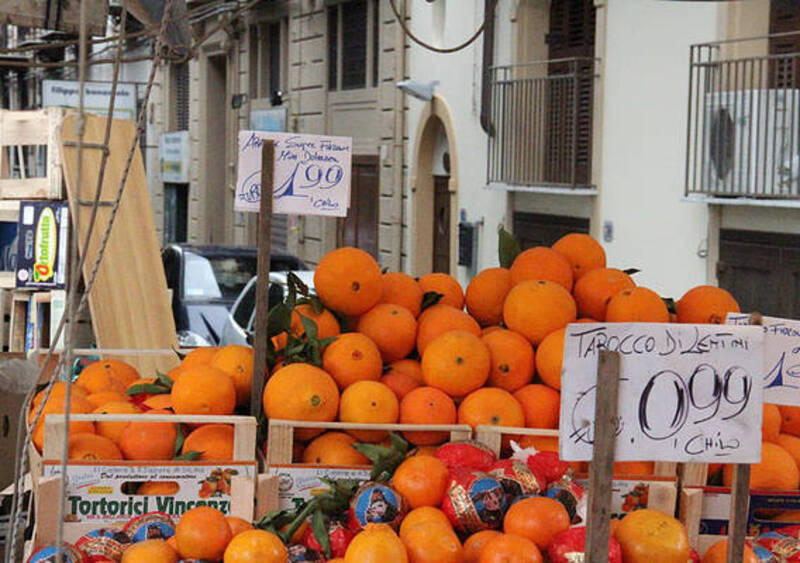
x: 173, y: 155
x: 312, y: 173
x: 96, y: 97
x: 687, y: 393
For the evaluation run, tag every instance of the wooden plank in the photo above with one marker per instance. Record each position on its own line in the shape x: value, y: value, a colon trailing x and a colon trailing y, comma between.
x: 689, y: 512
x: 266, y: 494
x: 32, y: 13
x: 129, y: 303
x: 19, y: 315
x: 9, y: 210
x: 38, y: 128
x: 740, y: 499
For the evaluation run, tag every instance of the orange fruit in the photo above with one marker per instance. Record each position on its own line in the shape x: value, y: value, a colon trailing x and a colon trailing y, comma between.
x: 256, y: 546
x: 432, y: 543
x: 596, y: 288
x: 158, y: 488
x: 435, y: 321
x: 97, y: 375
x: 204, y: 390
x: 634, y: 468
x: 549, y: 356
x: 58, y: 389
x: 237, y: 362
x: 393, y: 328
x: 541, y: 263
x: 777, y: 470
x: 201, y: 356
x: 422, y: 480
x: 212, y: 441
x: 706, y: 304
x: 643, y: 533
x: 536, y: 308
x: 55, y: 404
x: 475, y: 543
x: 113, y: 430
x: 422, y: 515
x: 333, y: 448
x: 637, y: 305
x: 349, y: 281
x: 447, y: 285
x: 510, y: 548
x: 512, y: 359
x: 401, y: 289
x: 145, y: 381
x: 770, y: 423
x: 537, y: 519
x: 790, y: 419
x: 541, y: 405
x: 457, y: 362
x: 203, y: 533
x: 149, y: 550
x: 326, y: 322
x: 352, y: 357
x: 91, y: 447
x: 369, y: 402
x: 791, y: 444
x: 490, y: 406
x: 407, y: 367
x: 486, y: 293
x: 148, y: 440
x: 238, y: 525
x: 301, y: 392
x: 400, y: 383
x: 158, y: 402
x: 102, y: 397
x: 427, y: 405
x: 377, y: 543
x: 718, y: 553
x: 582, y: 252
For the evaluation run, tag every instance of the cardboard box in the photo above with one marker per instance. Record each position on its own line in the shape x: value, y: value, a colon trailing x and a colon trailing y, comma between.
x: 42, y: 245
x: 298, y: 483
x: 763, y: 506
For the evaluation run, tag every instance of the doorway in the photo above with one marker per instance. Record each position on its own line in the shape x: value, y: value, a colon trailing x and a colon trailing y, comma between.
x: 360, y: 227
x: 441, y: 224
x: 215, y: 149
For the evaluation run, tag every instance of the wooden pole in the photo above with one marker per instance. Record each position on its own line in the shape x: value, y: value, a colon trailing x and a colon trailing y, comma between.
x: 740, y: 498
x: 262, y: 281
x: 598, y: 525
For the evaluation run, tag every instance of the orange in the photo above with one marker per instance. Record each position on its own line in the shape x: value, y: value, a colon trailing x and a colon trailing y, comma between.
x: 237, y: 362
x: 301, y: 392
x: 637, y: 305
x: 596, y: 288
x: 158, y: 488
x: 536, y: 308
x: 706, y: 304
x: 149, y: 550
x: 113, y: 430
x: 537, y: 519
x: 777, y: 470
x: 447, y: 285
x: 770, y: 423
x: 95, y: 375
x: 204, y: 390
x: 791, y: 444
x: 582, y: 252
x: 148, y: 440
x: 349, y: 281
x: 238, y: 525
x: 634, y: 468
x: 326, y: 322
x: 437, y: 320
x: 790, y: 419
x: 212, y: 441
x: 475, y: 543
x: 199, y: 356
x: 256, y: 546
x: 541, y: 263
x: 400, y: 383
x: 718, y: 553
x: 490, y: 406
x: 333, y: 448
x: 91, y: 447
x: 352, y: 357
x: 486, y: 293
x: 457, y: 362
x: 58, y: 389
x: 643, y: 533
x: 401, y: 289
x: 512, y: 359
x: 541, y: 405
x: 102, y: 397
x: 433, y: 543
x: 369, y: 402
x: 158, y: 402
x: 203, y: 533
x: 146, y: 381
x: 55, y: 404
x: 510, y: 548
x: 407, y: 367
x: 549, y: 356
x: 427, y: 405
x: 393, y: 328
x: 422, y: 515
x: 422, y: 480
x: 377, y: 543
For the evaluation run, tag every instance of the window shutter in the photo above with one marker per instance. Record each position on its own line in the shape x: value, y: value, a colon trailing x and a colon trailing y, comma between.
x: 784, y: 16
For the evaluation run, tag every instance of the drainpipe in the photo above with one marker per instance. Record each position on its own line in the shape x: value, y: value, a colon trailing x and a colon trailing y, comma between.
x: 398, y: 147
x: 488, y: 59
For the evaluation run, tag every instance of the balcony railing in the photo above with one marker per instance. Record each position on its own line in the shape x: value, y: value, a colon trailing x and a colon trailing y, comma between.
x: 542, y: 118
x: 743, y: 133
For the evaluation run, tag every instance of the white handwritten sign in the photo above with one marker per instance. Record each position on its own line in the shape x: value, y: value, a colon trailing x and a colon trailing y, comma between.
x: 781, y: 369
x: 312, y: 173
x: 687, y: 393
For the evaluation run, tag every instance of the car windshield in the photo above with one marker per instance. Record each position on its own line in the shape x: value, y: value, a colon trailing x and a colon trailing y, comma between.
x: 233, y: 273
x: 199, y: 281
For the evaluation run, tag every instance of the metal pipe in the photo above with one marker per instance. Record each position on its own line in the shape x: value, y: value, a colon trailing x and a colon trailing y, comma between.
x: 488, y: 57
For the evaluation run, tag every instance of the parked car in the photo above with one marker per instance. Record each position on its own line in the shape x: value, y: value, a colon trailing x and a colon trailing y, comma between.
x: 205, y: 281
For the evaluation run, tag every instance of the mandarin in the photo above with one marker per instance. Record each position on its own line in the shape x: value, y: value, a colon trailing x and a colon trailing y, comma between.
x: 457, y: 362
x: 541, y: 405
x: 777, y: 470
x: 475, y: 543
x: 408, y: 367
x: 706, y: 304
x: 427, y: 405
x: 352, y: 357
x: 204, y: 390
x: 446, y: 285
x: 536, y: 308
x: 148, y: 440
x: 486, y: 294
x: 718, y: 553
x: 214, y: 442
x: 333, y: 448
x: 256, y: 546
x: 349, y: 281
x: 325, y: 321
x: 583, y: 253
x: 438, y: 319
x: 637, y: 305
x: 770, y: 423
x: 113, y: 430
x: 369, y: 402
x: 91, y: 447
x: 432, y: 543
x: 148, y: 551
x: 237, y: 362
x: 422, y: 480
x: 400, y: 383
x: 549, y: 356
x: 491, y: 406
x: 512, y: 358
x: 510, y: 548
x: 537, y: 519
x: 301, y: 392
x: 401, y: 289
x: 596, y: 288
x: 203, y: 533
x: 102, y: 397
x: 393, y: 328
x: 201, y: 356
x: 541, y: 263
x: 376, y: 543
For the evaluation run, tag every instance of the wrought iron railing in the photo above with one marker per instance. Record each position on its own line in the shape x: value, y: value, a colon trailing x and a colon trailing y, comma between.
x: 542, y: 118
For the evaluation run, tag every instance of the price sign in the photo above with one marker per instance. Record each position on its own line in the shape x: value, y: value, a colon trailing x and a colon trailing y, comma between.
x: 312, y: 173
x: 687, y: 393
x: 781, y: 370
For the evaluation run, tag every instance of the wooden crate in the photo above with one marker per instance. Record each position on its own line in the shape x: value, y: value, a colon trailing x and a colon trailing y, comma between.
x: 5, y: 319
x: 9, y: 213
x: 31, y: 128
x: 20, y: 302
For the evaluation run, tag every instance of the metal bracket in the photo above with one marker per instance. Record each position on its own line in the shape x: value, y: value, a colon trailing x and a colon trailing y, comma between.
x: 78, y: 144
x: 90, y: 203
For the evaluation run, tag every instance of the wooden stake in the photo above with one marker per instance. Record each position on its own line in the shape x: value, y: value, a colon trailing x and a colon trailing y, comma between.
x: 598, y: 525
x: 740, y: 498
x: 262, y: 281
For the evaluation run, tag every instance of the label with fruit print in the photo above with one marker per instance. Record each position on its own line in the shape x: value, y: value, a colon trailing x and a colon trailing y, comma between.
x: 299, y: 483
x: 628, y: 495
x: 114, y: 493
x: 687, y: 393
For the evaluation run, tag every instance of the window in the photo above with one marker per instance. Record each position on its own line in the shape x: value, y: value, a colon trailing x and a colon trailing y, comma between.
x: 353, y: 46
x: 268, y: 58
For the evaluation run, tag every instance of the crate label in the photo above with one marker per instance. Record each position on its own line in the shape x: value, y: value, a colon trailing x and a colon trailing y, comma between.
x: 687, y: 393
x: 299, y: 483
x: 42, y: 245
x: 763, y: 509
x: 94, y: 492
x: 628, y: 495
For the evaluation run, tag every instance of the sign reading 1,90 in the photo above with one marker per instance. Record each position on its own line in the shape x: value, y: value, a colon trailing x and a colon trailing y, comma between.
x: 305, y: 176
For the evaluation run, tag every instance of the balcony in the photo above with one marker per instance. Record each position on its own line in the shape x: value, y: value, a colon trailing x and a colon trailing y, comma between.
x: 743, y: 132
x: 542, y: 119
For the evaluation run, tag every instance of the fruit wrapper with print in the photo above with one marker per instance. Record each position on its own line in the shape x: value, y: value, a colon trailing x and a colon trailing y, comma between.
x: 474, y: 501
x: 570, y: 495
x: 781, y: 548
x: 517, y: 479
x: 104, y: 544
x: 299, y: 552
x: 48, y: 554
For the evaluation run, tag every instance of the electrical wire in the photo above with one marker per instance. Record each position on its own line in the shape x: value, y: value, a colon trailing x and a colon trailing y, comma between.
x: 435, y: 49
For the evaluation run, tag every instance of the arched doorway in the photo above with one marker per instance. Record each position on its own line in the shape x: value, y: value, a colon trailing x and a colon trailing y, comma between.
x: 434, y: 185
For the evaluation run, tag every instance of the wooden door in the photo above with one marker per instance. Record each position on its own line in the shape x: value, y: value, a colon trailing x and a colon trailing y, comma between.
x: 539, y: 229
x: 441, y: 224
x: 360, y: 227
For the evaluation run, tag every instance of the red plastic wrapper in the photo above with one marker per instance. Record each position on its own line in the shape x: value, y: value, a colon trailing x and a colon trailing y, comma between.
x: 466, y: 454
x: 569, y: 547
x: 517, y: 479
x: 568, y: 493
x: 549, y: 466
x: 784, y: 549
x: 150, y: 526
x: 339, y: 536
x: 474, y: 501
x: 694, y: 557
x: 791, y: 531
x: 48, y: 554
x: 103, y: 545
x: 376, y: 503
